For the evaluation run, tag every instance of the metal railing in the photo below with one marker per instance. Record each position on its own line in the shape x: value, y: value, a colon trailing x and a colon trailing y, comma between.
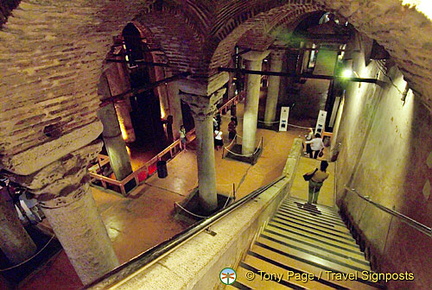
x: 233, y: 101
x: 141, y: 173
x: 145, y: 171
x: 228, y: 148
x: 403, y: 218
x: 151, y: 256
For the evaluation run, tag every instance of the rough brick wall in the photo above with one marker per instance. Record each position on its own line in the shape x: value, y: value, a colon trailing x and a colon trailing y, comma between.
x: 181, y: 44
x: 51, y: 55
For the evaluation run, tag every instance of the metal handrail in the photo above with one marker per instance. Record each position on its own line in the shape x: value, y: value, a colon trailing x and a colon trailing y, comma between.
x: 153, y: 254
x: 405, y: 219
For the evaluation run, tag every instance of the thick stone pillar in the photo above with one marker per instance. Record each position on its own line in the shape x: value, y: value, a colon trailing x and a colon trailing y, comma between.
x: 63, y: 191
x: 114, y: 143
x: 206, y: 162
x: 15, y: 242
x: 175, y: 107
x: 79, y: 228
x: 250, y: 118
x: 231, y: 86
x: 273, y: 88
x: 123, y: 109
x: 203, y: 109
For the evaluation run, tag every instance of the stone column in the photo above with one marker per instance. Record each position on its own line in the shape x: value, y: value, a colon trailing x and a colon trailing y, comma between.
x: 203, y: 109
x: 123, y: 109
x: 63, y: 191
x: 175, y: 107
x: 206, y: 161
x: 114, y: 143
x: 231, y: 86
x: 250, y: 118
x: 273, y: 88
x: 15, y: 242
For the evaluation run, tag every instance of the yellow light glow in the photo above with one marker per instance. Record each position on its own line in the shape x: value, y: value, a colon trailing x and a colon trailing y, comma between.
x: 123, y: 129
x: 163, y: 113
x: 423, y: 6
x: 347, y: 73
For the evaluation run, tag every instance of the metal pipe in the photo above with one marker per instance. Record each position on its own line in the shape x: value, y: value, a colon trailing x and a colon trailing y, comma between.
x: 145, y: 88
x: 405, y: 219
x: 294, y: 75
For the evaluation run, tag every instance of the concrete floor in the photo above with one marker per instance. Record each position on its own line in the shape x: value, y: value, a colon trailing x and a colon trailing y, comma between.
x: 145, y: 217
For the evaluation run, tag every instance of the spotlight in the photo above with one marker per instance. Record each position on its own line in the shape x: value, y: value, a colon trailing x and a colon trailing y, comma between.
x: 347, y: 73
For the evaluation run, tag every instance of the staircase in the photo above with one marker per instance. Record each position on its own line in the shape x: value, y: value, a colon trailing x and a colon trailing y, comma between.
x: 304, y: 247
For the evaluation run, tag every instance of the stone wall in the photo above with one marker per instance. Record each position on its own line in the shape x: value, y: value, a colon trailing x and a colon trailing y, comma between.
x: 403, y: 31
x: 385, y: 154
x: 52, y: 53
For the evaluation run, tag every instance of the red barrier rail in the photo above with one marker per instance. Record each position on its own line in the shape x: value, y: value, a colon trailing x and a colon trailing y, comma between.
x: 141, y: 174
x: 149, y: 168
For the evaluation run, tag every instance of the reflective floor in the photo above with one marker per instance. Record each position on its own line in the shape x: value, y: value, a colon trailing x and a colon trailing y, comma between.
x: 145, y: 217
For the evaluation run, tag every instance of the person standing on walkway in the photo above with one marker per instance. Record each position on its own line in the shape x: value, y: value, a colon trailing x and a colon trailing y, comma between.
x: 317, y: 145
x: 183, y: 138
x: 232, y: 129
x: 218, y: 138
x: 309, y: 137
x: 316, y: 182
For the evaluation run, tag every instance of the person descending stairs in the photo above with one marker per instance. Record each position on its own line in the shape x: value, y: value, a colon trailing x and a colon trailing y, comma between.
x: 304, y: 247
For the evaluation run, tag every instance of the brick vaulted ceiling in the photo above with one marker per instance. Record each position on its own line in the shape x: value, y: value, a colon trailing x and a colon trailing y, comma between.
x: 403, y: 31
x: 51, y: 50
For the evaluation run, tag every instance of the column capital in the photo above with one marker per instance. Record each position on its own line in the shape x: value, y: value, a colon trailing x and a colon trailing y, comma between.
x: 30, y: 161
x: 277, y: 55
x: 64, y: 180
x: 203, y: 86
x: 73, y: 194
x: 203, y: 107
x: 255, y: 55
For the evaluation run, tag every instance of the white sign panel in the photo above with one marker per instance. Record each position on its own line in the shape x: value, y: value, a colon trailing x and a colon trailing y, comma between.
x: 283, y: 123
x: 322, y: 116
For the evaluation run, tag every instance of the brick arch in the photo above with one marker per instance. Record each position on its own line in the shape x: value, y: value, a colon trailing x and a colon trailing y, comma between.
x: 146, y: 34
x: 196, y: 13
x: 55, y: 52
x: 259, y: 27
x: 152, y: 43
x: 404, y: 32
x: 177, y: 37
x: 191, y: 32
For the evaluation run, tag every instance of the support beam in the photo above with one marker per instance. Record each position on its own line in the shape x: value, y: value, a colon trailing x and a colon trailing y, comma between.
x: 139, y: 62
x: 293, y: 75
x: 296, y: 49
x: 142, y: 89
